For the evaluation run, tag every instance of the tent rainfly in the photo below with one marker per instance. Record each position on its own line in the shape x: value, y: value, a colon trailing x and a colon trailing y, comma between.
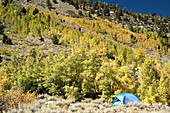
x: 125, y: 98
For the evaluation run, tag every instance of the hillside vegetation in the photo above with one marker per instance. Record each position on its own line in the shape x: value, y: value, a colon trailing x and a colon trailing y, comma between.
x: 98, y: 59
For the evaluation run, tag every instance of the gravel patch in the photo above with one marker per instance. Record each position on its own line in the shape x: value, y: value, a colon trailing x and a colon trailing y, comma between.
x: 53, y: 104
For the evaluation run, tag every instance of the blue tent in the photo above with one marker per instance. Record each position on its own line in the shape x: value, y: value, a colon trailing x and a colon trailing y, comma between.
x: 125, y: 98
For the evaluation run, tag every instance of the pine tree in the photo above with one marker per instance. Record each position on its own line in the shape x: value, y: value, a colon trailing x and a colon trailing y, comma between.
x: 95, y: 5
x: 89, y: 14
x: 106, y: 11
x: 98, y: 13
x: 91, y: 11
x: 84, y: 4
x: 90, y: 3
x: 76, y: 4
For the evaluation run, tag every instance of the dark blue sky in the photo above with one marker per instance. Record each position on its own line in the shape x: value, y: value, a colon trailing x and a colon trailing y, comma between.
x: 144, y: 6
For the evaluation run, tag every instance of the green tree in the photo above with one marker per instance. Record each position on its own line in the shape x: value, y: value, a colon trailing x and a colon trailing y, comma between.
x: 80, y: 13
x: 0, y: 59
x: 48, y: 20
x: 91, y: 11
x: 32, y: 53
x: 95, y: 5
x: 5, y: 2
x: 1, y: 29
x: 105, y: 11
x: 89, y: 14
x: 131, y: 12
x: 107, y: 73
x: 117, y: 16
x: 149, y: 81
x: 23, y: 10
x: 124, y: 10
x: 153, y: 14
x: 55, y: 1
x: 84, y: 4
x: 90, y: 3
x: 139, y: 55
x: 98, y: 13
x: 35, y: 11
x: 6, y: 40
x: 133, y: 38
x: 164, y: 83
x: 55, y: 39
x: 130, y: 27
x: 76, y: 5
x: 49, y: 4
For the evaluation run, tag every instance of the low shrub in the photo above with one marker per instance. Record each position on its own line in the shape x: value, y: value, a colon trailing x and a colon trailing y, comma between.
x: 12, y: 98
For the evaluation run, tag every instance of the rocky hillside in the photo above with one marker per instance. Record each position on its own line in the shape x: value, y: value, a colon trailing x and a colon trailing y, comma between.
x: 137, y: 23
x: 112, y: 12
x: 58, y: 7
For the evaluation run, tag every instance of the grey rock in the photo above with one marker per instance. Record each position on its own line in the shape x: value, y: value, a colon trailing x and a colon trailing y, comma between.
x: 91, y: 109
x: 135, y: 108
x: 82, y: 108
x: 14, y: 111
x: 42, y: 101
x: 78, y: 105
x: 99, y: 101
x: 54, y: 111
x: 52, y: 98
x: 40, y: 97
x: 108, y: 110
x: 141, y: 107
x: 87, y: 100
x: 21, y: 111
x: 38, y: 105
x: 106, y: 105
x: 74, y: 109
x: 73, y: 100
x: 62, y: 111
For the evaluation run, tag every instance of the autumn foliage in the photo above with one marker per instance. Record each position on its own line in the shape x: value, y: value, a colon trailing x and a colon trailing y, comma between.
x: 101, y: 63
